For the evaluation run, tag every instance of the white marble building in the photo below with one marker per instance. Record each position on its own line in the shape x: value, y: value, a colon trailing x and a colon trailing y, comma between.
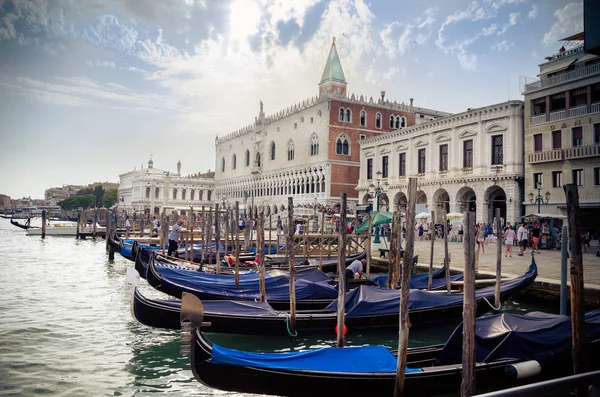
x: 152, y: 189
x: 468, y: 161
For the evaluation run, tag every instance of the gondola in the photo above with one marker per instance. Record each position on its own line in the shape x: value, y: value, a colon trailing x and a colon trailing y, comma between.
x: 366, y: 307
x: 25, y: 226
x: 505, y: 357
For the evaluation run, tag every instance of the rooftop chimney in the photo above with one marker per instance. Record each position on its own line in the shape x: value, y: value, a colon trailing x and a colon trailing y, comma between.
x: 411, y: 102
x: 383, y: 95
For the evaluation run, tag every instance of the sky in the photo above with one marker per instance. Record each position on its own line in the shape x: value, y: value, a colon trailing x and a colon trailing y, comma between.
x: 90, y: 89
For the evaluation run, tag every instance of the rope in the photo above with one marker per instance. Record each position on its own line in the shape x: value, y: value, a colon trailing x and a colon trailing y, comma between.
x: 287, y: 326
x: 492, y: 306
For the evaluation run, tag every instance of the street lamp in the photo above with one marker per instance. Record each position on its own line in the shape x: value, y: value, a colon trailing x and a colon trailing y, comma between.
x: 375, y: 191
x: 539, y: 200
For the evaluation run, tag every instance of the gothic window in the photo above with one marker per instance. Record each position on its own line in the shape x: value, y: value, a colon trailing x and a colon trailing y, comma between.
x: 247, y: 158
x: 378, y: 120
x: 223, y: 164
x: 209, y: 194
x: 200, y: 194
x: 421, y: 164
x: 397, y: 122
x: 468, y: 153
x: 174, y: 194
x: 257, y: 160
x: 497, y: 150
x: 444, y: 157
x: 402, y: 165
x: 348, y: 115
x: 234, y: 162
x: 363, y: 118
x: 341, y: 117
x: 147, y: 192
x: 391, y: 121
x: 314, y: 145
x: 290, y: 151
x: 369, y: 169
x: 272, y: 150
x: 156, y: 192
x: 192, y: 194
x: 342, y: 145
x: 183, y: 194
x: 403, y: 122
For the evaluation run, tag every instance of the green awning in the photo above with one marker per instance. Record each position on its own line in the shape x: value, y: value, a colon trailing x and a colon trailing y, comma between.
x: 379, y: 218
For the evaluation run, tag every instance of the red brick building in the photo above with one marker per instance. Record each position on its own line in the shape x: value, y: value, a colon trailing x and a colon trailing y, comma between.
x: 309, y: 151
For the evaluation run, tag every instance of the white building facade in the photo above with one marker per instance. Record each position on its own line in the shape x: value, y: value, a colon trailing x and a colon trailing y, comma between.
x: 471, y: 161
x: 152, y: 189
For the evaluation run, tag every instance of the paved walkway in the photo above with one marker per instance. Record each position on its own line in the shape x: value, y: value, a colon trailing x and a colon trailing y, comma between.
x: 548, y: 261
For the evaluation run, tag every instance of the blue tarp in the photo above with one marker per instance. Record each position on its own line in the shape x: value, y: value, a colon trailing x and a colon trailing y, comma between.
x: 222, y: 286
x: 419, y: 281
x: 533, y: 336
x: 360, y: 360
x: 366, y: 301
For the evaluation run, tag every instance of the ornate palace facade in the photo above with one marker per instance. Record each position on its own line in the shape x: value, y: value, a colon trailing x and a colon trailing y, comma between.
x: 309, y: 151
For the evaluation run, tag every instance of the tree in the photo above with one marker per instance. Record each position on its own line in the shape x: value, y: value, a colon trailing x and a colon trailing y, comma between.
x: 110, y: 197
x: 85, y: 191
x: 74, y: 202
x: 98, y: 193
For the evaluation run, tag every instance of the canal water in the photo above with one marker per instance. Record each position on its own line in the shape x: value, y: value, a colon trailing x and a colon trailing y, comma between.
x: 66, y: 328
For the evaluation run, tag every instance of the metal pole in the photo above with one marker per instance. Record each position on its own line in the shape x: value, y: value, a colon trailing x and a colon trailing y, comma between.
x: 563, y: 271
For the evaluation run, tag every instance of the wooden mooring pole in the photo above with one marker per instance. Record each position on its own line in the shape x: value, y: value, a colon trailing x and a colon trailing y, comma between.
x: 111, y: 223
x: 95, y: 220
x: 368, y: 245
x: 393, y: 262
x: 260, y: 246
x: 432, y: 235
x: 292, y: 271
x: 407, y: 264
x: 446, y: 257
x: 580, y: 361
x: 192, y: 219
x: 78, y: 223
x: 237, y: 244
x: 44, y: 223
x: 564, y: 259
x: 467, y: 387
x: 341, y: 266
x: 498, y: 259
x: 217, y: 238
x: 209, y: 233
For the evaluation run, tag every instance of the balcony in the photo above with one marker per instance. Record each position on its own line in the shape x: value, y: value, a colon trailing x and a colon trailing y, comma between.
x: 562, y: 78
x: 579, y: 152
x: 565, y: 114
x: 545, y: 157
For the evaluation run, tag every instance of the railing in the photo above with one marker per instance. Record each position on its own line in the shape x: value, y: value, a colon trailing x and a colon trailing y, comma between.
x: 578, y: 111
x: 545, y: 157
x: 581, y: 151
x: 564, y: 114
x: 563, y: 78
x: 558, y: 115
x: 557, y: 386
x: 538, y: 119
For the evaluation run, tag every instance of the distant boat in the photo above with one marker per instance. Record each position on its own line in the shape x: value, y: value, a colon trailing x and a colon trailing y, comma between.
x: 64, y: 229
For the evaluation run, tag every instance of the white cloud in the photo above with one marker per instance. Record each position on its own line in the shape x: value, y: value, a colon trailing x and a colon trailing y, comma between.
x: 533, y: 12
x: 391, y: 72
x: 397, y: 36
x: 244, y: 17
x: 285, y: 10
x: 502, y: 46
x: 490, y: 29
x: 104, y: 64
x: 497, y: 4
x: 512, y: 19
x: 569, y: 21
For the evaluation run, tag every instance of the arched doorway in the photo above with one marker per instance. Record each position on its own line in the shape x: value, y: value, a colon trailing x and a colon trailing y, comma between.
x: 384, y: 202
x: 421, y: 202
x: 495, y: 198
x: 466, y: 199
x: 441, y: 199
x: 366, y: 199
x: 275, y: 209
x: 267, y: 209
x: 400, y: 201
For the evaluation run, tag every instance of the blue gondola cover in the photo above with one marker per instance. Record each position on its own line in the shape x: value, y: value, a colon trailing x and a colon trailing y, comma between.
x: 362, y: 359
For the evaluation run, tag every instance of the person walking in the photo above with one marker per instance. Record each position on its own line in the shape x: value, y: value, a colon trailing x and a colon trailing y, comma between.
x: 522, y: 236
x: 174, y: 236
x: 127, y: 227
x: 535, y: 237
x: 279, y: 225
x: 509, y: 240
x: 480, y: 238
x: 155, y: 225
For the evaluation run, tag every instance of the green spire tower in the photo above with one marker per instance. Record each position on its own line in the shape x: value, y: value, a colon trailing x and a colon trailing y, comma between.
x: 333, y: 78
